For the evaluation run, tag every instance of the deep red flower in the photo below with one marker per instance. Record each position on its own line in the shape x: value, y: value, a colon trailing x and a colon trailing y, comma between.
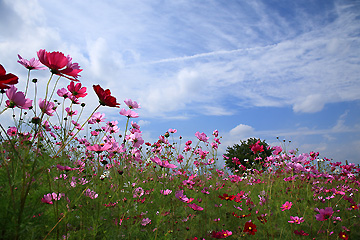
x: 301, y: 232
x: 226, y: 197
x: 343, y: 235
x: 250, y: 228
x: 7, y: 78
x: 59, y: 64
x: 241, y: 216
x: 105, y: 97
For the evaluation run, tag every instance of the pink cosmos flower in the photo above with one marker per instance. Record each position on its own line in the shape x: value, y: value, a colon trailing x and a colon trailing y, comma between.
x: 202, y: 136
x: 71, y: 112
x: 172, y: 130
x: 91, y: 194
x: 76, y: 90
x: 17, y: 99
x: 166, y: 192
x: 296, y: 220
x: 145, y: 221
x: 136, y: 139
x: 195, y: 207
x: 97, y: 118
x: 32, y: 64
x: 181, y: 196
x: 47, y: 107
x: 131, y: 104
x: 59, y: 64
x: 98, y: 148
x: 165, y: 164
x: 286, y: 206
x: 128, y: 113
x: 12, y: 131
x: 63, y: 93
x: 324, y: 214
x: 47, y: 199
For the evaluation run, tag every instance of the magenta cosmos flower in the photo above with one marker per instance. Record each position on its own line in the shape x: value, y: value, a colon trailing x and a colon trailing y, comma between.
x: 47, y: 107
x: 286, y: 206
x: 324, y: 214
x: 17, y: 99
x: 32, y: 64
x: 76, y: 90
x: 59, y: 64
x: 195, y: 207
x: 296, y: 219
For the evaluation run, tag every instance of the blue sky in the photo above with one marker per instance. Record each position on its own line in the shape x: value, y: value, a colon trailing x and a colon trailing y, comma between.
x: 257, y: 68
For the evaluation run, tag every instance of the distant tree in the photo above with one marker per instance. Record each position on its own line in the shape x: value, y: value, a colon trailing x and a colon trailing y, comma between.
x: 242, y: 157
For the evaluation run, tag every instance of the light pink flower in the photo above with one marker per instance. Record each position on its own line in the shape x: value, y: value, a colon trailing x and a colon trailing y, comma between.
x: 91, y: 194
x: 131, y: 104
x: 166, y: 192
x: 17, y: 99
x: 97, y: 118
x: 162, y: 163
x: 202, y: 136
x: 136, y: 139
x: 145, y: 221
x: 32, y: 64
x: 128, y: 113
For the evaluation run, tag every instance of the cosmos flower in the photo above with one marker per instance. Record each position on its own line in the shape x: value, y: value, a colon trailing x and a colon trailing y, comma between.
x: 59, y: 64
x: 32, y: 64
x: 286, y: 206
x: 47, y: 107
x: 128, y: 113
x: 250, y: 228
x: 324, y: 214
x: 76, y: 90
x: 17, y: 99
x: 195, y: 207
x: 257, y: 147
x: 221, y: 234
x: 131, y: 104
x: 105, y: 98
x: 7, y: 78
x: 202, y: 136
x: 12, y: 131
x: 296, y: 219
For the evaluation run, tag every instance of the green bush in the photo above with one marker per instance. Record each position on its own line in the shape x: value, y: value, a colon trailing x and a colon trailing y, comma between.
x: 238, y: 158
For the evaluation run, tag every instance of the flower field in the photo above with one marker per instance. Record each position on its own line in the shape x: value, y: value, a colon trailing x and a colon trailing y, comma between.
x: 61, y: 178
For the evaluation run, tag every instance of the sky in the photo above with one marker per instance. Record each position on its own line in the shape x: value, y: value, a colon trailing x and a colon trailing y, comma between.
x: 260, y: 68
